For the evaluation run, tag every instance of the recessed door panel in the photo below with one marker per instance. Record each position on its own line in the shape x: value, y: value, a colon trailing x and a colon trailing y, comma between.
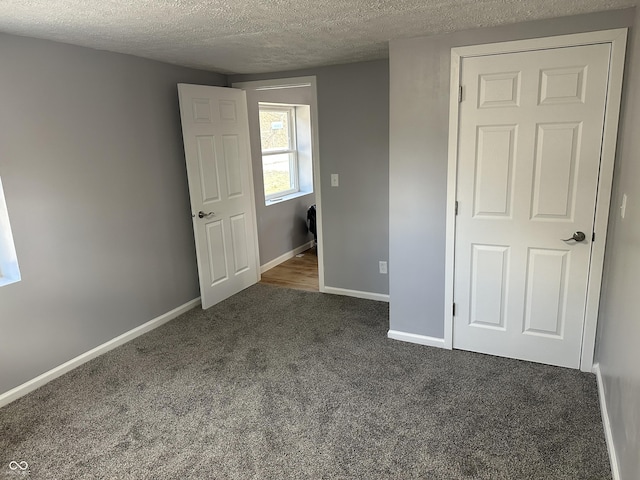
x: 493, y: 171
x: 545, y: 299
x: 562, y: 85
x: 208, y: 165
x: 231, y: 148
x: 499, y: 90
x: 489, y: 286
x: 217, y: 249
x: 239, y: 239
x: 201, y: 110
x: 556, y: 165
x: 228, y: 112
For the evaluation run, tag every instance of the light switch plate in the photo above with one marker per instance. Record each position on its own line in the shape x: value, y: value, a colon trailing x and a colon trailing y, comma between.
x: 623, y: 207
x: 335, y: 180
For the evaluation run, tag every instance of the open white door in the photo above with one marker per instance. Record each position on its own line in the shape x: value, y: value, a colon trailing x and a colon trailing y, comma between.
x: 216, y: 143
x: 529, y: 149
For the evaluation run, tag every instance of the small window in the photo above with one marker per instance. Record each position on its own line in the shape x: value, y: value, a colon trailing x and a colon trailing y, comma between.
x: 279, y: 150
x: 9, y: 271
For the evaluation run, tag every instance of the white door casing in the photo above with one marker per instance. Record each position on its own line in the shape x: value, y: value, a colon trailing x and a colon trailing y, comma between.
x: 294, y: 82
x: 216, y: 141
x: 529, y: 134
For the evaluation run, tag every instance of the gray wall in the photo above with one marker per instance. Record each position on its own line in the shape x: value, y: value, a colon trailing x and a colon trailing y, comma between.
x: 618, y: 341
x: 281, y: 226
x: 92, y: 164
x: 353, y: 111
x: 419, y: 116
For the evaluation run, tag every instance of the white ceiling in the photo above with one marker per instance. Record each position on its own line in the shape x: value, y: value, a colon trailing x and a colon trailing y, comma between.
x: 251, y: 36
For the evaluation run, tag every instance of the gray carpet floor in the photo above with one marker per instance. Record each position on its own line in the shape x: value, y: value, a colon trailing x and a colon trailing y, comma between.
x: 284, y: 384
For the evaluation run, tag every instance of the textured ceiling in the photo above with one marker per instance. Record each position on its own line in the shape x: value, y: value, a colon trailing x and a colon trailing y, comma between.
x: 251, y: 36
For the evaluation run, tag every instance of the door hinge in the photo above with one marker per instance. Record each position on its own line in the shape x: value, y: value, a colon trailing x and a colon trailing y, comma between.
x: 460, y: 94
x: 456, y: 207
x: 593, y: 237
x: 453, y: 310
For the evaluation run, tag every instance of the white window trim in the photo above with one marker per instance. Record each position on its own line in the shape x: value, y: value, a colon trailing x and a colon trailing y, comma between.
x: 292, y: 152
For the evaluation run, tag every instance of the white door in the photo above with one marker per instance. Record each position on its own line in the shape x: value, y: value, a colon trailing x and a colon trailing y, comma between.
x: 529, y: 141
x: 216, y: 143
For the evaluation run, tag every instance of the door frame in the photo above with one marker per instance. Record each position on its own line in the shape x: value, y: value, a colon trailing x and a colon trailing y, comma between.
x: 295, y: 82
x: 617, y: 38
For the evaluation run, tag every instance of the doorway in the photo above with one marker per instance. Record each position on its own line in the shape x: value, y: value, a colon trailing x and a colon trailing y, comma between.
x: 283, y: 120
x: 298, y: 273
x: 532, y: 142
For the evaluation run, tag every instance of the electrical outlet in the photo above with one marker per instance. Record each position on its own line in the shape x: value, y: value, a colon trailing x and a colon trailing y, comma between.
x: 383, y: 267
x: 623, y: 207
x: 335, y: 180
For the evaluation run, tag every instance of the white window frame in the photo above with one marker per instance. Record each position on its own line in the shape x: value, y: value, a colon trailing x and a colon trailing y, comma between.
x: 292, y: 151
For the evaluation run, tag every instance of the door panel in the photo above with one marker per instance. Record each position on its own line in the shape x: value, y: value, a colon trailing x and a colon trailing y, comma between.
x: 545, y: 300
x: 555, y: 168
x: 530, y: 132
x: 239, y: 238
x: 489, y: 285
x: 562, y: 85
x: 499, y: 90
x: 216, y: 250
x: 208, y: 163
x: 494, y: 170
x: 232, y: 160
x: 216, y: 140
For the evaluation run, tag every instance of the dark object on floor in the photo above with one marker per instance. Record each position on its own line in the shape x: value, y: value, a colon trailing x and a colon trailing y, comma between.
x: 311, y: 222
x: 283, y: 384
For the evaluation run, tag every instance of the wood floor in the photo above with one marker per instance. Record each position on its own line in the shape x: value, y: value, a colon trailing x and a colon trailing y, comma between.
x: 300, y: 272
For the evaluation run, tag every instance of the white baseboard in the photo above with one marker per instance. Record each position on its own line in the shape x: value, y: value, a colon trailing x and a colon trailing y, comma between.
x: 608, y: 434
x: 415, y: 338
x: 380, y: 297
x: 22, y: 390
x: 286, y: 256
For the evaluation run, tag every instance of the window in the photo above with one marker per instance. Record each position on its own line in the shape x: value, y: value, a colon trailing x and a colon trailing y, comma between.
x: 9, y: 272
x: 279, y: 150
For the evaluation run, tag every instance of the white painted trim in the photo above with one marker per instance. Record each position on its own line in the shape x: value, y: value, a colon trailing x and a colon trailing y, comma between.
x: 254, y: 208
x: 380, y: 297
x: 285, y: 256
x: 295, y: 82
x: 452, y: 187
x: 608, y: 434
x: 573, y: 40
x: 419, y: 339
x: 618, y: 40
x: 315, y: 130
x: 276, y: 83
x: 40, y: 380
x: 603, y: 200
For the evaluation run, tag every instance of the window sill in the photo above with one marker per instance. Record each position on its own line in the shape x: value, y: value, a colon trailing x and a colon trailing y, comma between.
x: 284, y: 198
